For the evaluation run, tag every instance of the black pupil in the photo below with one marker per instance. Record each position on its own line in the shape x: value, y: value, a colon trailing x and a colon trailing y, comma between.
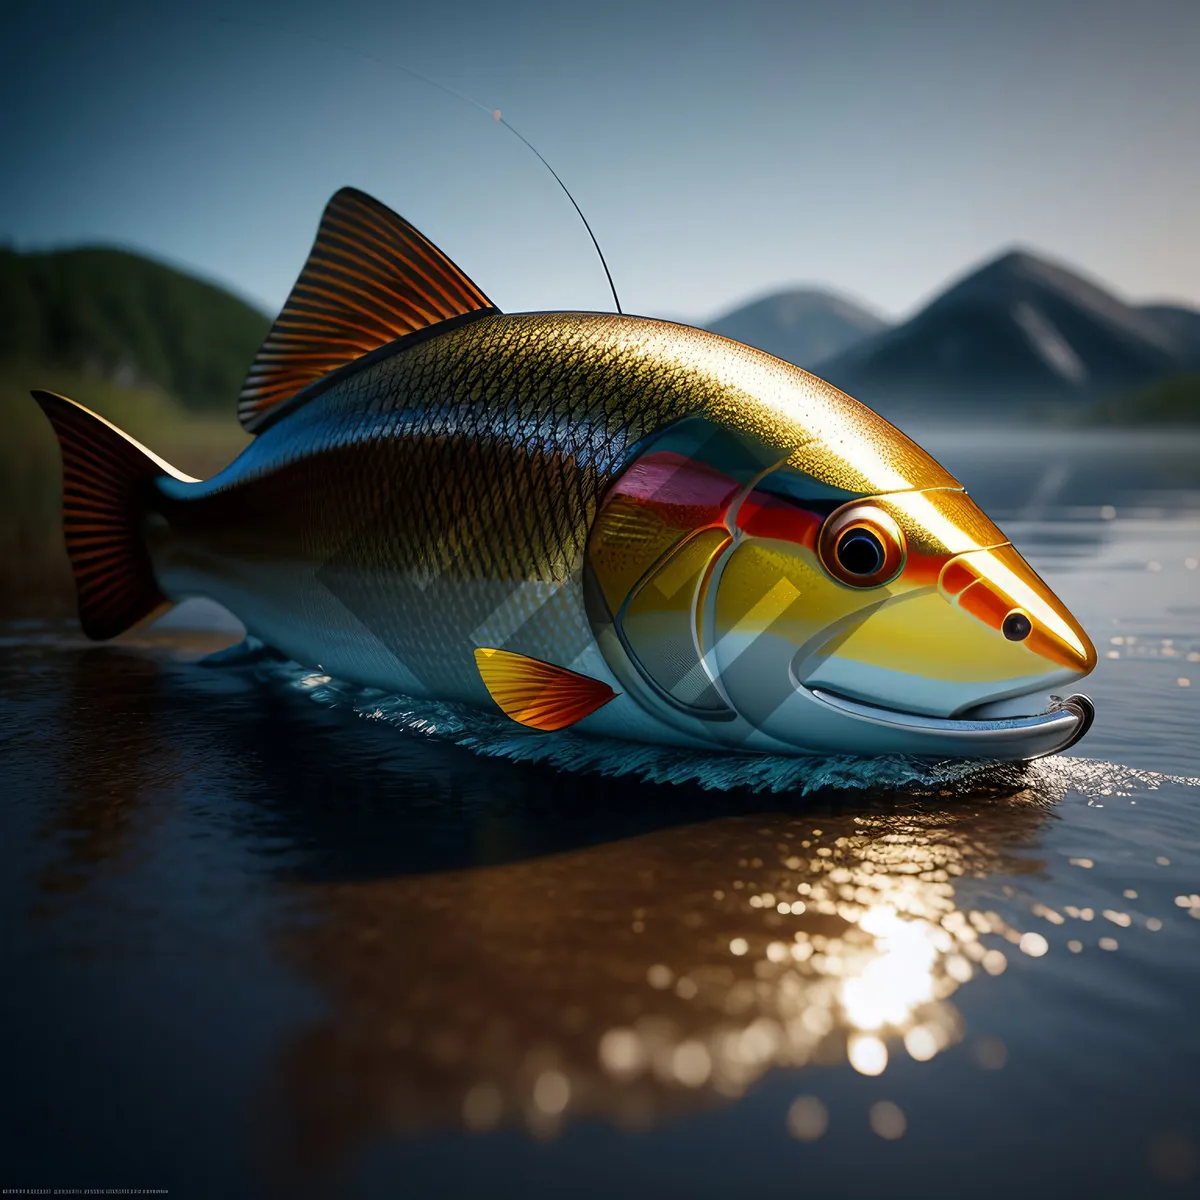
x: 860, y: 552
x: 1017, y: 627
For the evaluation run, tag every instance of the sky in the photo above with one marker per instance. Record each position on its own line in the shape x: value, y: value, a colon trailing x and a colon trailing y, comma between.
x: 720, y: 151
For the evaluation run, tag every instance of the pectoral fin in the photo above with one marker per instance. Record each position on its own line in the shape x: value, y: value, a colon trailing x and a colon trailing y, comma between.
x: 537, y: 694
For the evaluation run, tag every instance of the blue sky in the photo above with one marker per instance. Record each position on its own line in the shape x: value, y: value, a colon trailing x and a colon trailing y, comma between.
x: 719, y: 151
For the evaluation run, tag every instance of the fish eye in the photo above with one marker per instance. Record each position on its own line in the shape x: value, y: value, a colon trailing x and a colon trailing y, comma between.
x: 860, y: 552
x: 1017, y: 626
x: 861, y: 545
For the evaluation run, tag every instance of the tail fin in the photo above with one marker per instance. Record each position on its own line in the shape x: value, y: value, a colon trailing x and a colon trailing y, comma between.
x: 107, y: 493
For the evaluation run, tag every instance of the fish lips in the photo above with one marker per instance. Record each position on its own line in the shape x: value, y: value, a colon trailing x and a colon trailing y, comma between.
x: 1058, y: 728
x: 818, y: 719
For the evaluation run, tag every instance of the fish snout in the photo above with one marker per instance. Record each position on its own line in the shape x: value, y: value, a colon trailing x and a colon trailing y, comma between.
x: 999, y: 588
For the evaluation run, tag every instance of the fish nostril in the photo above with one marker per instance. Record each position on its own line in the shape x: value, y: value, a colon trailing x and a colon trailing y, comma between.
x: 1017, y: 626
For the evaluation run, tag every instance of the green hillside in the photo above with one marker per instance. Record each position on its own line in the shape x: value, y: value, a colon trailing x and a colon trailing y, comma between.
x: 1172, y: 401
x: 159, y: 353
x: 130, y: 320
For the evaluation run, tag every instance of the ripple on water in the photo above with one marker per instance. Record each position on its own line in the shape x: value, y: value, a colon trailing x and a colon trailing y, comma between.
x: 501, y: 738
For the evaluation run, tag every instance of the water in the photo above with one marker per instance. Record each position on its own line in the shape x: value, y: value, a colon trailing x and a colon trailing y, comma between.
x: 257, y: 943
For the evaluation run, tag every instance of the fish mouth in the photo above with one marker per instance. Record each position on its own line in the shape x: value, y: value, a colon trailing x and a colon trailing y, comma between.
x: 1056, y: 729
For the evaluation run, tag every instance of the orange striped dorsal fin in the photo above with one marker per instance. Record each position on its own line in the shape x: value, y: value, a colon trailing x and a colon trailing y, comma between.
x: 537, y: 694
x: 370, y: 278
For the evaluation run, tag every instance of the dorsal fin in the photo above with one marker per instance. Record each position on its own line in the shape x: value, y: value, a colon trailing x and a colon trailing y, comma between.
x: 369, y: 279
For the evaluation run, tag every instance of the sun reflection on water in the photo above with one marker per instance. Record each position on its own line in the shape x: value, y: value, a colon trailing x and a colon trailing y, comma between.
x: 632, y: 979
x: 868, y: 956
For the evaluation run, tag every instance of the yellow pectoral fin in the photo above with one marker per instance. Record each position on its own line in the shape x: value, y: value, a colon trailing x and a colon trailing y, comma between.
x: 537, y: 694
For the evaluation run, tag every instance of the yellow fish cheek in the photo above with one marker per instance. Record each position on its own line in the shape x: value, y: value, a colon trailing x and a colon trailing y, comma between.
x: 779, y: 590
x: 926, y: 637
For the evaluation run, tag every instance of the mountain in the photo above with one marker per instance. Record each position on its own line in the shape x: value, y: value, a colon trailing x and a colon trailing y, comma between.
x: 131, y: 320
x: 1183, y: 325
x: 1019, y: 328
x: 802, y: 326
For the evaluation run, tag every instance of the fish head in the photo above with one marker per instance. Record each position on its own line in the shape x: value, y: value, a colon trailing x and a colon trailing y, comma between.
x: 911, y: 603
x: 778, y: 602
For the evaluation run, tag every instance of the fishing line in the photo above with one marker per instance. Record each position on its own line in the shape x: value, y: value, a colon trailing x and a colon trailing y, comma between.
x: 494, y: 113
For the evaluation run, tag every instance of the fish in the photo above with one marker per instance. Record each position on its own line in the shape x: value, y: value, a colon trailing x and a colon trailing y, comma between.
x: 614, y: 525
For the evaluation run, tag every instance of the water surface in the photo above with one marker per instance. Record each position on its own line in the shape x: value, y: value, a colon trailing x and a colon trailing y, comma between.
x: 257, y: 943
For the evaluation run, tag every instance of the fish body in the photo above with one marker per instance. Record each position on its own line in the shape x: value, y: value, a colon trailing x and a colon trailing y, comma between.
x: 625, y: 526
